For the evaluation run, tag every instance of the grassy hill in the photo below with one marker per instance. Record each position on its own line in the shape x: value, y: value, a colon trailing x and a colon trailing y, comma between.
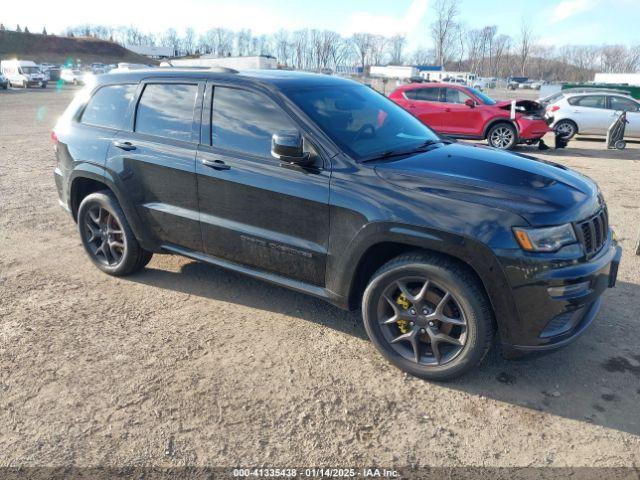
x: 53, y: 49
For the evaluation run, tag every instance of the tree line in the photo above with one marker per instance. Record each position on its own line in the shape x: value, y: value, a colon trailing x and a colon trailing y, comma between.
x: 484, y: 51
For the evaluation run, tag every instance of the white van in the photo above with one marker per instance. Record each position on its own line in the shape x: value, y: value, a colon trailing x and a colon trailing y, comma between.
x: 23, y: 73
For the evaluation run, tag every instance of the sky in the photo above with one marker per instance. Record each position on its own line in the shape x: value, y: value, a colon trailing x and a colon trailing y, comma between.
x: 553, y: 22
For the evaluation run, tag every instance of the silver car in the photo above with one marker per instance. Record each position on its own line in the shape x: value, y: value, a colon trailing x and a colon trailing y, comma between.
x: 592, y: 113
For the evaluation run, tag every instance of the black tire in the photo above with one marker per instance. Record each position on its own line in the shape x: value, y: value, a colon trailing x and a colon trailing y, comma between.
x: 109, y: 242
x: 443, y: 275
x: 503, y: 136
x: 567, y: 129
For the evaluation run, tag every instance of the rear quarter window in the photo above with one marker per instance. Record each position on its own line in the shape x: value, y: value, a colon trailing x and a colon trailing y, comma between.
x: 590, y: 101
x: 423, y: 94
x: 166, y: 110
x: 108, y: 106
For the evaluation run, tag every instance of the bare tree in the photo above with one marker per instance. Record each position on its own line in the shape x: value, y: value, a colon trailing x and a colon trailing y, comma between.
x: 442, y: 28
x: 378, y: 49
x: 282, y: 46
x: 524, y: 46
x: 243, y: 42
x: 189, y: 41
x: 169, y: 39
x: 397, y: 44
x: 422, y: 56
x: 299, y: 43
x: 362, y: 43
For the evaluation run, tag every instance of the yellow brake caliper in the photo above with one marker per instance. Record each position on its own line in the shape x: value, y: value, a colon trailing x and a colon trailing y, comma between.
x: 403, y: 325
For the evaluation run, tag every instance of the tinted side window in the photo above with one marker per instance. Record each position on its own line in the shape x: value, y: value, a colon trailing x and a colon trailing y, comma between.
x: 244, y: 121
x: 591, y: 101
x: 619, y: 103
x: 166, y: 110
x: 455, y: 96
x: 424, y: 94
x: 108, y: 106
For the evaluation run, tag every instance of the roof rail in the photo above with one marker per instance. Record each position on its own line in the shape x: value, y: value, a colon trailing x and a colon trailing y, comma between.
x: 223, y: 70
x: 216, y: 69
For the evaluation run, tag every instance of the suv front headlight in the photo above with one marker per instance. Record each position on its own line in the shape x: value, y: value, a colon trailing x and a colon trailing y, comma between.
x: 548, y: 239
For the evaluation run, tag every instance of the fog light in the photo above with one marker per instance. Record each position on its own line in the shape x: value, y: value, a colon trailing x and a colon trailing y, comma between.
x: 569, y: 291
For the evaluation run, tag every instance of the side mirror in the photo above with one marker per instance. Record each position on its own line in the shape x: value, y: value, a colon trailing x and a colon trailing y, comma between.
x: 470, y: 103
x: 288, y: 147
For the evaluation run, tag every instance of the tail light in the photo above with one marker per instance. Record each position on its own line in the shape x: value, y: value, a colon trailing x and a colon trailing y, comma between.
x: 54, y: 139
x: 553, y: 108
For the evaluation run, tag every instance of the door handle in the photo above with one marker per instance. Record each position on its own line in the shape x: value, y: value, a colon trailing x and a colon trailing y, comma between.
x: 124, y: 145
x: 215, y: 164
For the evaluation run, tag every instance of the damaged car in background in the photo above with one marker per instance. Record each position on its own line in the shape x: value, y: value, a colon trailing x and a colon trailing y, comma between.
x: 464, y: 112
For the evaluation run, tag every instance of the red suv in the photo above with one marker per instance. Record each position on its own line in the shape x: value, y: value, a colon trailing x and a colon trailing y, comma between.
x: 464, y: 112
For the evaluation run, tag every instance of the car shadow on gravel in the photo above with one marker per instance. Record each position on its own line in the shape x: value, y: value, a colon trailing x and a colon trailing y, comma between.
x: 592, y: 380
x: 596, y: 379
x: 209, y: 281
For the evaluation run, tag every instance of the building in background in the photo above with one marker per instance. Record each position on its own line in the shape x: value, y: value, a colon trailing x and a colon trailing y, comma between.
x: 618, y: 78
x: 400, y: 72
x: 426, y: 71
x: 156, y: 53
x: 444, y: 76
x: 260, y: 62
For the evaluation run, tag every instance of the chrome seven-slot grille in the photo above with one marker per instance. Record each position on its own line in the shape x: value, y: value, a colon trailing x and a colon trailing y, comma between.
x: 593, y: 232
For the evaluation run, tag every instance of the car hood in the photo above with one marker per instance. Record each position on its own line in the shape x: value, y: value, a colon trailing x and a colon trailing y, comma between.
x: 542, y: 192
x: 522, y: 106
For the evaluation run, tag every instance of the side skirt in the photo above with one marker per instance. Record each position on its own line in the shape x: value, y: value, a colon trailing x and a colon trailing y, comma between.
x: 273, y: 278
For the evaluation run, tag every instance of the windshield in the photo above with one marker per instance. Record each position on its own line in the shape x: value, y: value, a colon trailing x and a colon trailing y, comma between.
x: 30, y: 70
x: 361, y: 121
x: 486, y: 99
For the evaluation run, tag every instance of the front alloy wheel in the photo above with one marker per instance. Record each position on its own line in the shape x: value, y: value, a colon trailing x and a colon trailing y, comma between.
x: 502, y: 136
x: 422, y: 321
x: 428, y: 315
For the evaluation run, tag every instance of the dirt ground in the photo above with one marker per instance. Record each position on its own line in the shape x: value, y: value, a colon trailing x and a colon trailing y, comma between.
x: 187, y: 364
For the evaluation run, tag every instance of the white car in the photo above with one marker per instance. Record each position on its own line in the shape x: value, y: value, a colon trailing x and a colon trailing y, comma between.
x: 69, y: 75
x: 23, y: 73
x: 592, y: 113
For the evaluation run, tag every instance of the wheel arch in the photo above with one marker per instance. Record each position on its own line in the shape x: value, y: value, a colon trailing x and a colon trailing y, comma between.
x: 88, y: 179
x: 468, y: 253
x: 491, y: 123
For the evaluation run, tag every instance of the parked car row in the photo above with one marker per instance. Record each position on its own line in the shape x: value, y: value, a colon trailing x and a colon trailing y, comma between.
x: 23, y: 73
x: 27, y: 73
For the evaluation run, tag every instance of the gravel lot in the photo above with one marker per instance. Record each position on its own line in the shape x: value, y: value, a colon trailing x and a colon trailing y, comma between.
x: 186, y: 364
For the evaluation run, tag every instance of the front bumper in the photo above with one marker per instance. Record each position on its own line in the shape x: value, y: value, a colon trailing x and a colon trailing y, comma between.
x: 532, y: 129
x: 556, y: 299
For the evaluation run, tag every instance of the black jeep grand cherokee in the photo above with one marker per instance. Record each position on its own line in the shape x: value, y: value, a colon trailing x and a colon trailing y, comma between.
x: 324, y: 186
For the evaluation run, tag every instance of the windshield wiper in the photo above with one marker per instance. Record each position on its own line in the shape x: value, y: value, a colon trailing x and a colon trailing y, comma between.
x: 398, y: 153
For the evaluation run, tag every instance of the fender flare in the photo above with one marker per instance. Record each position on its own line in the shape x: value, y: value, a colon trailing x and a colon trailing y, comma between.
x: 99, y: 174
x: 494, y: 121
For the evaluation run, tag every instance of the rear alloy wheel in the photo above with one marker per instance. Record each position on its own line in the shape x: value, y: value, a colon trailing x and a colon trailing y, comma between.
x: 107, y: 237
x: 428, y: 316
x: 502, y: 136
x: 566, y: 129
